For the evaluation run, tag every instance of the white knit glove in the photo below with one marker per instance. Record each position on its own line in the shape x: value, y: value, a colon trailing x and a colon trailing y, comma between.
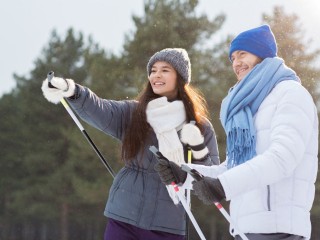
x: 191, y: 135
x: 61, y: 88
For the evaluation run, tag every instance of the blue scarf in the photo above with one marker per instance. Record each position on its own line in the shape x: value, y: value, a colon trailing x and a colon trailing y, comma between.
x: 242, y: 103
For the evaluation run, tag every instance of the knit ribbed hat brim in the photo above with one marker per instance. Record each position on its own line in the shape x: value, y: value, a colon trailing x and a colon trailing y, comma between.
x: 259, y: 41
x: 177, y: 57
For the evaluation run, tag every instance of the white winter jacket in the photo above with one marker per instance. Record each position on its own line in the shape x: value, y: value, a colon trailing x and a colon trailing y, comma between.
x: 274, y: 191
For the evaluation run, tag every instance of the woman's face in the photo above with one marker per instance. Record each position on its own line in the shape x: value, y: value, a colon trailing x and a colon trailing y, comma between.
x: 243, y: 62
x: 163, y: 80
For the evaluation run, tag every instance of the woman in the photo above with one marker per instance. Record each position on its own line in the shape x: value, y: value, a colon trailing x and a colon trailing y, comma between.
x: 139, y: 205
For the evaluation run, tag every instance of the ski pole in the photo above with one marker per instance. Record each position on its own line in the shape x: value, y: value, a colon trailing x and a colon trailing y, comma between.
x: 85, y: 134
x: 189, y: 161
x: 187, y: 209
x: 188, y: 193
x: 198, y: 176
x: 188, y: 190
x: 180, y: 196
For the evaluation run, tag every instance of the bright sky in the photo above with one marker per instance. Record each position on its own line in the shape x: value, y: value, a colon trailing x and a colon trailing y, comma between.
x: 26, y: 25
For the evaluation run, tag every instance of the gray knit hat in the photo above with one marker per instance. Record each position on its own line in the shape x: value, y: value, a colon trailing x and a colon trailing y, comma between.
x: 177, y: 57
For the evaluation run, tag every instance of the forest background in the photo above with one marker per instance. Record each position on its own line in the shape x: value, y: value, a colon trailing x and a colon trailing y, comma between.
x: 52, y: 184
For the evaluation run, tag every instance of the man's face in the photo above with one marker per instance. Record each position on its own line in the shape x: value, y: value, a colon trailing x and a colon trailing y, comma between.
x: 243, y: 62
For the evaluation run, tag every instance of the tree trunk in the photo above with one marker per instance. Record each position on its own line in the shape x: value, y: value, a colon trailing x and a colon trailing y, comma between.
x: 44, y: 231
x: 64, y: 221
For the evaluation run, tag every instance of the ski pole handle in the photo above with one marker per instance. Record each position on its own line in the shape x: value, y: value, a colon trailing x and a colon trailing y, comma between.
x: 194, y: 173
x: 50, y: 75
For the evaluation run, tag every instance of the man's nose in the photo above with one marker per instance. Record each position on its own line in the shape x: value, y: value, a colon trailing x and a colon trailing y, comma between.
x: 236, y: 62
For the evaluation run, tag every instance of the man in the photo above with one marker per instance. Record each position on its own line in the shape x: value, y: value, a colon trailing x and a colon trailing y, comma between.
x: 271, y: 125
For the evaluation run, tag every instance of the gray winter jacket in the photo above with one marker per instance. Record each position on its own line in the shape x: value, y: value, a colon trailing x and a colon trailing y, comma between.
x: 137, y: 196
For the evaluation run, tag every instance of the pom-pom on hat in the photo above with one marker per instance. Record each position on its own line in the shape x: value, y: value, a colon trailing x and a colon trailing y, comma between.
x: 259, y: 41
x: 177, y: 57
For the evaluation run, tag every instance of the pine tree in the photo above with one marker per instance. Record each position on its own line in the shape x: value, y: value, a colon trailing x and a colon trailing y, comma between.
x: 295, y: 49
x: 54, y: 170
x: 48, y: 166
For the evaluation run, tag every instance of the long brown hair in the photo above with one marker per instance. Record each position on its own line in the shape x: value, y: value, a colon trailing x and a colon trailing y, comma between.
x: 138, y: 130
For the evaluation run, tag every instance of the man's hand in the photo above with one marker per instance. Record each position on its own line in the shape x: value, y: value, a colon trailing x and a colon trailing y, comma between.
x: 209, y: 190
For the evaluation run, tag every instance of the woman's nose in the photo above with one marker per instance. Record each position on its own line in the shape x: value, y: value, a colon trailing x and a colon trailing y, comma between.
x: 157, y: 74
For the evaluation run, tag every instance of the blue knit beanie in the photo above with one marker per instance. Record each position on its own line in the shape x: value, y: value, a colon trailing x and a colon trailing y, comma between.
x: 259, y: 41
x: 177, y: 57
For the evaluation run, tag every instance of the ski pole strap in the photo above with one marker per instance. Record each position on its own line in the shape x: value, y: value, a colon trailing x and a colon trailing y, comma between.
x: 198, y: 147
